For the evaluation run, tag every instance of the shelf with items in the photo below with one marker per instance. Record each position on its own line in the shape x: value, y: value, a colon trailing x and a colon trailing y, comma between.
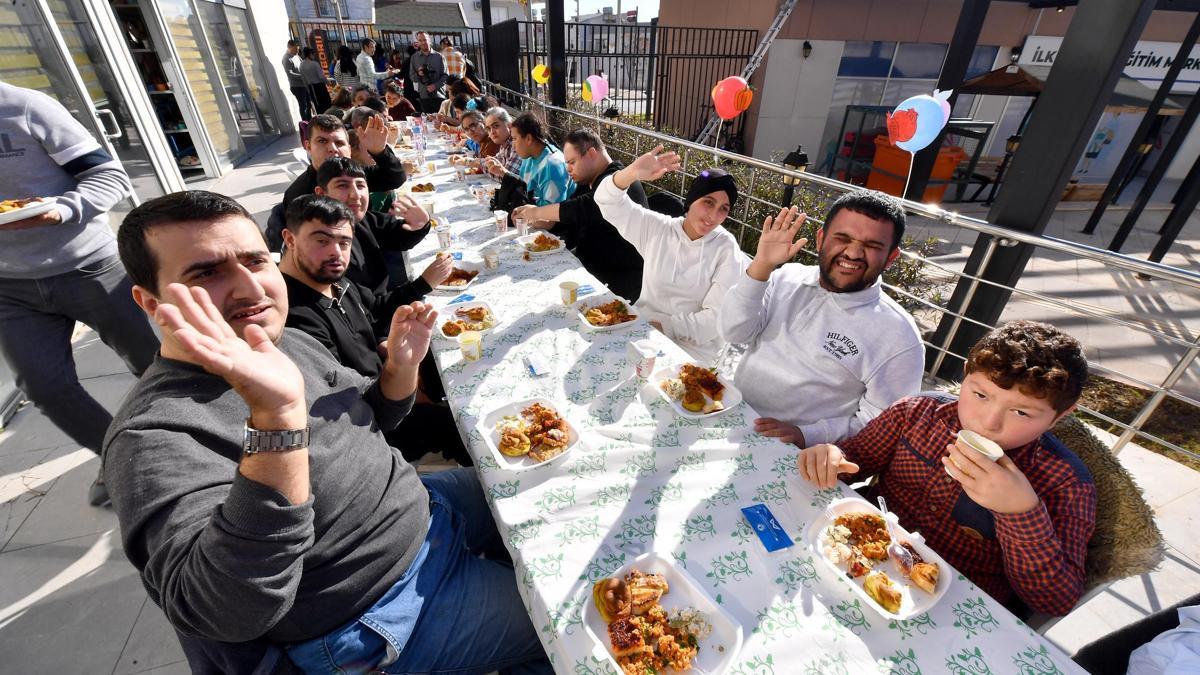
x: 166, y: 105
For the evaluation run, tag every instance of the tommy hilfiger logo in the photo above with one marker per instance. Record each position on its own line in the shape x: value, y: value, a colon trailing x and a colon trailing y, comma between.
x: 840, y: 346
x: 7, y: 150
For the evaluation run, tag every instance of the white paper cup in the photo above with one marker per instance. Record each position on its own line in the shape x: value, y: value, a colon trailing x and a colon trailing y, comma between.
x: 570, y: 292
x: 642, y: 353
x: 986, y: 446
x: 491, y: 258
x: 471, y: 344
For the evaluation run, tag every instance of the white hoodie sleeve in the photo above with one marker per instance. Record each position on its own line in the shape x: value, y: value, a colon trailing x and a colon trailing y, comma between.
x: 634, y: 222
x: 703, y: 326
x: 894, y: 379
x: 744, y: 314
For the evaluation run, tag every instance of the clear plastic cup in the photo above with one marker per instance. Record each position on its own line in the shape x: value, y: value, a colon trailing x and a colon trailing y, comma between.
x: 471, y: 344
x: 522, y: 226
x: 460, y: 172
x: 445, y: 236
x: 491, y: 258
x: 501, y: 221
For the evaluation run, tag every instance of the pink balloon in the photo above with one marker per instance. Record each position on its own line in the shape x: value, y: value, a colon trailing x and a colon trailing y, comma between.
x: 598, y: 87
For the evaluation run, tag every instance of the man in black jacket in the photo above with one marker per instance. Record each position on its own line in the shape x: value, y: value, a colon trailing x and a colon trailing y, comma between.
x: 399, y: 230
x: 603, y: 252
x: 348, y: 318
x: 324, y: 139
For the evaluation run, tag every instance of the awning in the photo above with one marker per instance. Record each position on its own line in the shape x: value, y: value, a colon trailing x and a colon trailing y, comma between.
x: 1128, y: 96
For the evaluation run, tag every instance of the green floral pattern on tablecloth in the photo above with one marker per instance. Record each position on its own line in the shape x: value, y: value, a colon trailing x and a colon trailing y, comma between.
x: 644, y: 479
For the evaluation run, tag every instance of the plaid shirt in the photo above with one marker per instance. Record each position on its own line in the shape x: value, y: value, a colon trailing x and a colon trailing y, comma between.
x: 509, y: 159
x: 456, y: 66
x: 1038, y: 555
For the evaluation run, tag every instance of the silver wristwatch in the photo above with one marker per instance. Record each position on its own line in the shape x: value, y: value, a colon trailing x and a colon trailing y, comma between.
x: 254, y: 441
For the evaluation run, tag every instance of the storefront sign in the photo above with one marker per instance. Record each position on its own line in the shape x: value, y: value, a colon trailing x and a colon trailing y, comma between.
x: 1148, y: 62
x: 317, y: 38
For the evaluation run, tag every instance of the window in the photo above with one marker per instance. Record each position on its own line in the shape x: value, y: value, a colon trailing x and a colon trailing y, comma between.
x: 867, y: 59
x: 918, y: 61
x: 325, y: 8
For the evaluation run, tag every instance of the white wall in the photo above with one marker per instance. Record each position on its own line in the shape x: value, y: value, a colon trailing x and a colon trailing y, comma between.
x: 795, y: 97
x: 1186, y: 157
x: 270, y: 21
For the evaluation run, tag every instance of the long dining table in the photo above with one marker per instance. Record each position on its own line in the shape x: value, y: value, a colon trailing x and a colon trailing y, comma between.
x: 644, y: 480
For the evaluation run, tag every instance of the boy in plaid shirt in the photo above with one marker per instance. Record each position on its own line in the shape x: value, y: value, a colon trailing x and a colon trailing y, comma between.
x: 1017, y: 527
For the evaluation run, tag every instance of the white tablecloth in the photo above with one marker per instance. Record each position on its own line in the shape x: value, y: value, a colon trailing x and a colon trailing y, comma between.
x: 645, y: 479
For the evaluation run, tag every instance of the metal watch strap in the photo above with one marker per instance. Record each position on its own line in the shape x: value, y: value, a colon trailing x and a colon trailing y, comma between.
x: 254, y: 441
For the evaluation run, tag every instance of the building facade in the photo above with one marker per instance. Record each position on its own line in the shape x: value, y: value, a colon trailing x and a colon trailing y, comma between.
x: 179, y: 90
x: 877, y: 52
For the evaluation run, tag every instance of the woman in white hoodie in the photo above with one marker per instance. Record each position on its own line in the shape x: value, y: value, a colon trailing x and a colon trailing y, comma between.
x: 690, y: 262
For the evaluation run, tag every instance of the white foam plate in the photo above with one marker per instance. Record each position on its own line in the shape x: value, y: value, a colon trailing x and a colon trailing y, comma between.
x: 913, y: 601
x: 717, y: 651
x: 591, y: 301
x: 525, y: 241
x: 447, y: 314
x: 491, y: 437
x: 28, y: 211
x: 732, y: 397
x: 470, y: 267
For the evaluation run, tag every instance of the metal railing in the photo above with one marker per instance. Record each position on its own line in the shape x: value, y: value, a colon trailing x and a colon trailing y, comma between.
x: 634, y: 140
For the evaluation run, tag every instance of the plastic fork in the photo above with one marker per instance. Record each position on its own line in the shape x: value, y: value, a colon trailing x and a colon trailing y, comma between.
x: 900, y: 555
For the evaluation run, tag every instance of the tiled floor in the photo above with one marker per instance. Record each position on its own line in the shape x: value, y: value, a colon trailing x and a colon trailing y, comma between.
x: 71, y: 603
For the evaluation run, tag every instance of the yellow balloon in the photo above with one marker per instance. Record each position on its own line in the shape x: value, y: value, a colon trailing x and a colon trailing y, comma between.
x: 587, y: 92
x: 541, y: 74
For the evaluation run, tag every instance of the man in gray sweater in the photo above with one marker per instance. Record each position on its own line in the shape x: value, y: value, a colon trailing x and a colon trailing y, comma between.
x: 256, y: 493
x: 61, y: 266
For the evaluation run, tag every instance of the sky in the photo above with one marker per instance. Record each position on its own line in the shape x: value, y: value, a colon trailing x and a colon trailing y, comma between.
x: 647, y: 9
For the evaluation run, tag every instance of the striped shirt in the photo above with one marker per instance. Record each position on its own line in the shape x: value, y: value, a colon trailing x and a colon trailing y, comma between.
x: 1038, y: 555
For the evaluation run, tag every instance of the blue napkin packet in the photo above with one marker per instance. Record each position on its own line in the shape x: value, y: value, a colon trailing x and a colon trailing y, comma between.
x: 457, y: 255
x: 465, y: 297
x: 585, y: 289
x: 768, y: 529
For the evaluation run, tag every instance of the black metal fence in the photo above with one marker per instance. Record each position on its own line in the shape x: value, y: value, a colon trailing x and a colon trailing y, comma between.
x: 661, y: 74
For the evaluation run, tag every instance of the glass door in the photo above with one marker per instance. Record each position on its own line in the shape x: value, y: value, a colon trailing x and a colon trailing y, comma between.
x: 235, y: 54
x: 93, y: 61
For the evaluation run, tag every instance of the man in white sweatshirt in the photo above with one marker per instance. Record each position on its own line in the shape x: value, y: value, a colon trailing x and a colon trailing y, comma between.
x: 690, y: 262
x: 828, y: 350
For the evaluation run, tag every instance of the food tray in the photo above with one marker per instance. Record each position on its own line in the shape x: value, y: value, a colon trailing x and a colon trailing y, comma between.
x: 526, y: 240
x: 717, y: 652
x: 732, y: 397
x: 28, y: 211
x: 583, y: 306
x: 914, y: 601
x: 491, y: 437
x: 447, y: 314
x: 466, y: 266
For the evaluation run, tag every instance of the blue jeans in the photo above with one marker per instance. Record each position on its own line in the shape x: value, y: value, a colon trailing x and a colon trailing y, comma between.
x: 37, y: 317
x: 452, y: 611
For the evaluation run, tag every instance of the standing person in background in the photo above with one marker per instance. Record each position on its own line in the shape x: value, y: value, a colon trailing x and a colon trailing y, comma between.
x: 410, y: 87
x: 427, y: 69
x: 315, y: 80
x: 345, y: 71
x: 365, y: 61
x: 291, y: 67
x: 456, y: 64
x: 62, y: 266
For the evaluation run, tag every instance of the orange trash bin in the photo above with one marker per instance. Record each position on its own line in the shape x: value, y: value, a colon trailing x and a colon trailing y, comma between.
x: 895, y: 161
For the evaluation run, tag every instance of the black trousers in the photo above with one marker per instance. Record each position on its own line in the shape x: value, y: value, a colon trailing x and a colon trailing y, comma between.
x: 319, y: 94
x: 304, y: 101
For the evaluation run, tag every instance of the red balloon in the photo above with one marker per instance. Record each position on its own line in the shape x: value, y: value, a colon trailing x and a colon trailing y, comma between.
x: 731, y: 97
